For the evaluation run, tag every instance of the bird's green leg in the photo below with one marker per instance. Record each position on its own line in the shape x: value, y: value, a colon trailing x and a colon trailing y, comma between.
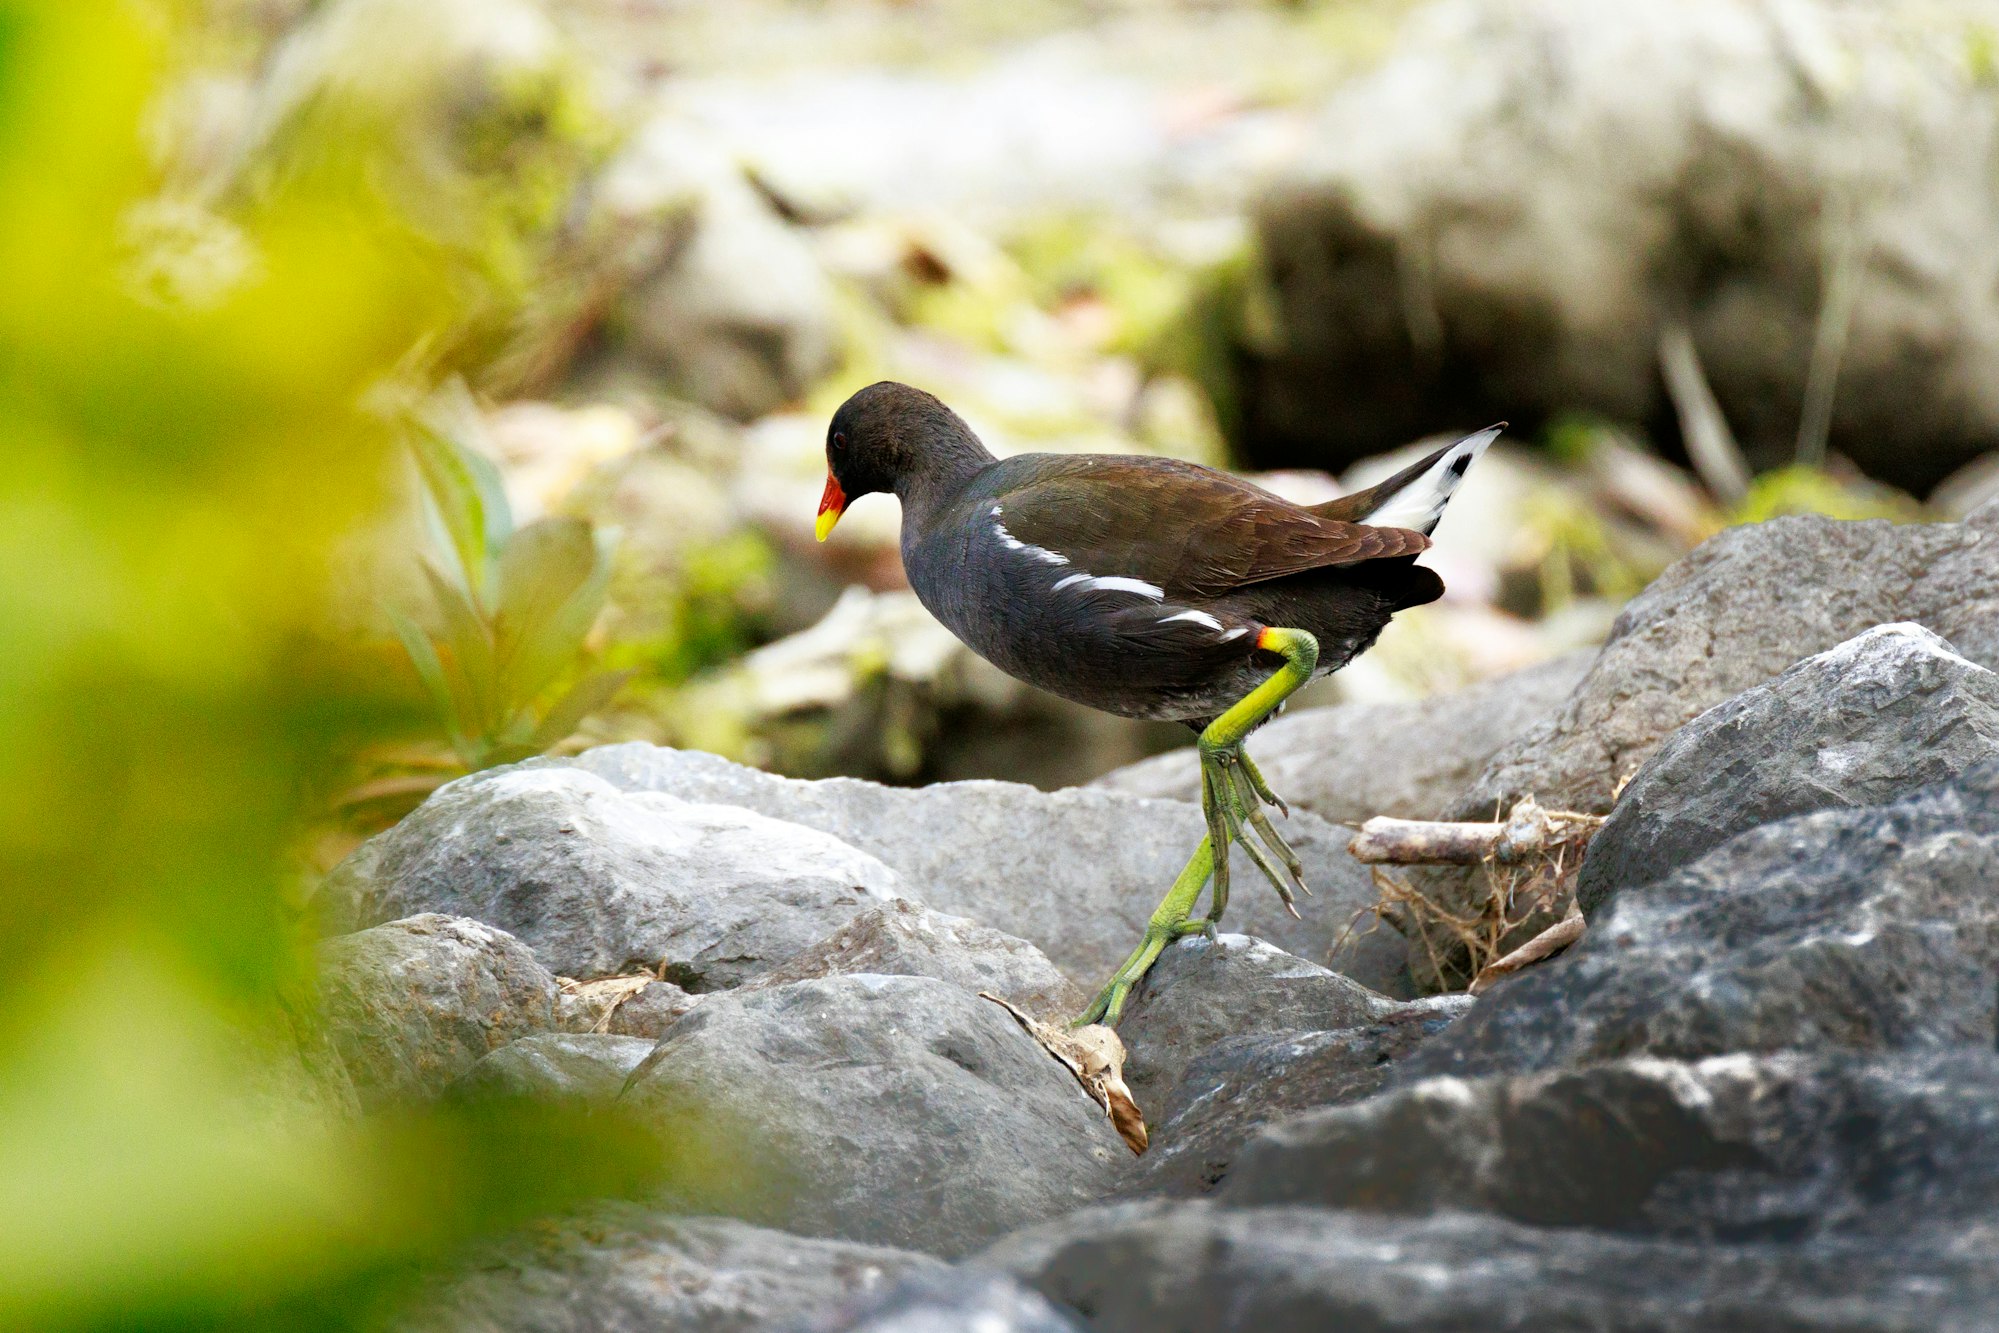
x: 1233, y: 794
x: 1170, y: 920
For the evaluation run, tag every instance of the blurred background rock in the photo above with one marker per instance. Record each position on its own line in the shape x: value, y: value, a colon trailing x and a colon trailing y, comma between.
x: 1714, y: 261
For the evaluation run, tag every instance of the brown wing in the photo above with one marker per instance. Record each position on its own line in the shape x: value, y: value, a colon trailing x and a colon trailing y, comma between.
x: 1188, y: 530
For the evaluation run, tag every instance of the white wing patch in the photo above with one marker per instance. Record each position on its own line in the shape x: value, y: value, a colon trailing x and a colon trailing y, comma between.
x: 1112, y: 583
x: 1420, y: 503
x: 1013, y: 543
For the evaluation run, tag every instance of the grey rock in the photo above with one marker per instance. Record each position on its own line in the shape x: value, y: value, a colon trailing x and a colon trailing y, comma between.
x: 645, y: 1013
x: 1235, y: 1087
x: 1139, y: 1268
x: 1438, y: 238
x: 1782, y: 1148
x: 894, y: 1110
x: 587, y: 1067
x: 1744, y: 606
x: 1076, y: 872
x: 602, y: 882
x: 962, y: 1299
x: 905, y: 939
x: 1871, y: 929
x: 735, y: 313
x: 623, y: 1268
x: 410, y: 1005
x: 1877, y: 717
x: 1350, y: 762
x: 1201, y: 991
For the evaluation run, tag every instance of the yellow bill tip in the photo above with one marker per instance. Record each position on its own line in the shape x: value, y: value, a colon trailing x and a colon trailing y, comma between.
x: 823, y: 526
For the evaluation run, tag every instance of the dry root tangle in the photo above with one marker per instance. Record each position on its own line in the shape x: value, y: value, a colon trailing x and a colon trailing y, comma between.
x: 1527, y: 865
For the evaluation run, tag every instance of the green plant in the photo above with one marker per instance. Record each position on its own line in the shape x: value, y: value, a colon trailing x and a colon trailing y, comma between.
x: 1799, y: 489
x: 183, y: 470
x: 515, y: 604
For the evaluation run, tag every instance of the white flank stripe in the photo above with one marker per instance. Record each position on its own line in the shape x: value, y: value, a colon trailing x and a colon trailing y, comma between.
x: 1235, y: 633
x: 1198, y: 617
x: 1013, y: 543
x: 1113, y: 583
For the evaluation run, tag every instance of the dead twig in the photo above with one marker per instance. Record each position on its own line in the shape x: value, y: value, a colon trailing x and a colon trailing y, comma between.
x: 1527, y: 832
x: 1528, y: 862
x: 1711, y: 445
x: 1842, y: 254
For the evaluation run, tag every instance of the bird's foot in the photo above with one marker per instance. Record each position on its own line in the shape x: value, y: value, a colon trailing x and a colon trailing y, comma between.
x: 1233, y: 796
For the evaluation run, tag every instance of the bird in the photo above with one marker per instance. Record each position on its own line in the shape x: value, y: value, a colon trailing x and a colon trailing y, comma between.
x: 1150, y: 588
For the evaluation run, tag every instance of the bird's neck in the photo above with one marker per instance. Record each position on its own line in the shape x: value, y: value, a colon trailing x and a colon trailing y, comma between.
x: 950, y: 463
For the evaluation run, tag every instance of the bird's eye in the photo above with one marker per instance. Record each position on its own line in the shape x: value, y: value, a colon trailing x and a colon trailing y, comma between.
x: 839, y: 439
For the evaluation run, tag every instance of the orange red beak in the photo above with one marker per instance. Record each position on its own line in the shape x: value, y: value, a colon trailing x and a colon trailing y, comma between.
x: 832, y: 504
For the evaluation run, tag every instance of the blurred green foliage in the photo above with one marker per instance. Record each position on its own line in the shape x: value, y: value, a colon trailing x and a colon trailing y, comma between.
x: 1799, y: 489
x: 176, y: 466
x: 516, y: 604
x: 474, y: 121
x: 715, y: 610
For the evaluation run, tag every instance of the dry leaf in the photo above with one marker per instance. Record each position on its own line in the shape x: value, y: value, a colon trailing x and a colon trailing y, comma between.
x: 1095, y: 1055
x: 1550, y: 941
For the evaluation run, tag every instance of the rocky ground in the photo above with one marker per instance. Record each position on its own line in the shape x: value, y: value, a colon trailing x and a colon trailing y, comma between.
x: 1760, y: 1092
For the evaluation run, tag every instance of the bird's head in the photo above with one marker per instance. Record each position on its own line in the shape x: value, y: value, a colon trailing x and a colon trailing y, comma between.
x: 884, y: 436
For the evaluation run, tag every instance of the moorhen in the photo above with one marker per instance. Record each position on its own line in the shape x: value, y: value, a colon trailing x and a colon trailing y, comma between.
x: 1150, y: 588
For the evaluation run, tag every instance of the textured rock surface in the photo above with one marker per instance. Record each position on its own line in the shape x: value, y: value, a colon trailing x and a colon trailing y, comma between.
x: 599, y: 881
x: 410, y: 1005
x: 1744, y: 606
x: 1865, y: 929
x: 963, y: 1299
x: 1235, y: 1087
x: 1438, y: 257
x: 621, y: 1268
x: 1201, y: 991
x: 1075, y: 872
x: 1139, y: 1268
x: 905, y: 939
x: 896, y: 1110
x: 1350, y: 762
x: 1875, y: 718
x: 589, y: 1067
x: 1738, y: 1148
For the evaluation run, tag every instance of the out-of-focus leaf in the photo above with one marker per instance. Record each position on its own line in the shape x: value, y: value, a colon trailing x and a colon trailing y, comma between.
x: 585, y: 697
x: 548, y: 647
x: 541, y: 568
x: 471, y: 647
x: 423, y: 656
x: 464, y: 486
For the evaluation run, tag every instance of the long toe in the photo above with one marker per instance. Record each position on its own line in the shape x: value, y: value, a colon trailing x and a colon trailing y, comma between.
x: 1261, y: 786
x: 1260, y: 840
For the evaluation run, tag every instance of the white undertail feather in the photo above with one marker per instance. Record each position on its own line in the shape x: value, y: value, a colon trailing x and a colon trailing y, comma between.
x: 1420, y: 503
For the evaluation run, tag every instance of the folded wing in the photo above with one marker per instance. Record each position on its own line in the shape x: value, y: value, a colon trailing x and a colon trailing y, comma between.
x: 1185, y: 530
